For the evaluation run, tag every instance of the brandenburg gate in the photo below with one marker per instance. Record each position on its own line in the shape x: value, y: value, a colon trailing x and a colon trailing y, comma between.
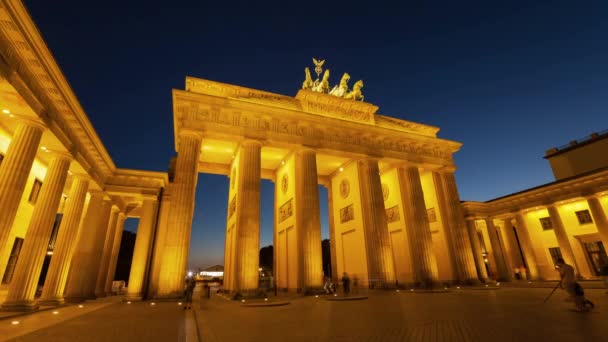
x: 394, y: 210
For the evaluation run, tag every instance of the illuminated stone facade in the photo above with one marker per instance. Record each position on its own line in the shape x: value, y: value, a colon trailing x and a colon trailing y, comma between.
x: 395, y: 214
x: 521, y: 235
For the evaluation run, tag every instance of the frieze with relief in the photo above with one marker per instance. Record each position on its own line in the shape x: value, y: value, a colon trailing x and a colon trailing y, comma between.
x: 310, y: 130
x: 286, y: 210
x: 392, y: 214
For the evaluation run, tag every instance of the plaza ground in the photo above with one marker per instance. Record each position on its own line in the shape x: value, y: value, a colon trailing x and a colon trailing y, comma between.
x: 505, y: 314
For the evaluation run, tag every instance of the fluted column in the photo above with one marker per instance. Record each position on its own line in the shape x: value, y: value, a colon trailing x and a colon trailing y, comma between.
x: 463, y: 253
x: 417, y: 226
x: 106, y: 253
x: 86, y: 259
x: 14, y: 171
x: 22, y: 289
x: 248, y: 218
x: 380, y: 263
x: 308, y: 220
x: 477, y: 254
x: 562, y: 237
x: 503, y: 271
x: 141, y: 252
x: 599, y: 217
x: 526, y: 247
x: 332, y: 233
x: 162, y: 230
x: 67, y: 239
x: 175, y: 254
x: 120, y: 224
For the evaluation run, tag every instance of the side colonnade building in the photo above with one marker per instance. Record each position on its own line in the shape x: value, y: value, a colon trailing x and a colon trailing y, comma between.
x: 520, y: 236
x: 60, y: 193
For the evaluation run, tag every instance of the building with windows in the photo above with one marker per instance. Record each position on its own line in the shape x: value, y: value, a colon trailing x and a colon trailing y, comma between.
x: 522, y: 234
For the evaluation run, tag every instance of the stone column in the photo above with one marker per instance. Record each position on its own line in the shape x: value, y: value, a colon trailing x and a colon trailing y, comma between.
x: 67, y: 239
x: 476, y: 247
x: 14, y: 171
x: 247, y: 242
x: 106, y: 253
x: 22, y: 289
x: 332, y: 233
x: 562, y: 237
x: 503, y: 271
x: 417, y: 226
x: 463, y: 253
x: 175, y: 255
x: 162, y: 230
x: 86, y: 259
x: 599, y: 217
x: 141, y: 252
x: 380, y: 262
x: 526, y: 247
x: 120, y: 224
x: 308, y: 220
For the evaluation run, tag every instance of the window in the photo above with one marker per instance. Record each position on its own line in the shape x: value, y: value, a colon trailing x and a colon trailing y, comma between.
x: 545, y: 222
x: 35, y: 191
x: 584, y: 217
x: 12, y: 261
x: 556, y: 253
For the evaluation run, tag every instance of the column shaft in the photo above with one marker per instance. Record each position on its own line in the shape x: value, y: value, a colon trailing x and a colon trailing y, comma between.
x: 106, y: 253
x: 159, y: 244
x: 14, y: 171
x: 599, y: 217
x: 308, y: 221
x: 248, y: 218
x: 86, y: 260
x: 176, y: 248
x: 562, y: 237
x: 477, y: 254
x: 22, y: 289
x: 445, y: 221
x: 417, y: 226
x: 120, y: 223
x: 380, y: 262
x: 141, y: 252
x: 526, y: 247
x: 67, y: 239
x: 497, y: 251
x: 463, y: 254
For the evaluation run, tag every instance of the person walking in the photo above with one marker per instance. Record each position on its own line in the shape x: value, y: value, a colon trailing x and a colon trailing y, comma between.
x: 190, y: 285
x: 346, y: 283
x: 573, y: 288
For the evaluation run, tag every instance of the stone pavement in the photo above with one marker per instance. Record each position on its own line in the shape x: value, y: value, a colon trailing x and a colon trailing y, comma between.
x: 104, y: 320
x: 506, y: 314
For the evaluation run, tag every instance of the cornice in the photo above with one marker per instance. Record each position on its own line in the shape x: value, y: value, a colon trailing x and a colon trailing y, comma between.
x: 29, y: 57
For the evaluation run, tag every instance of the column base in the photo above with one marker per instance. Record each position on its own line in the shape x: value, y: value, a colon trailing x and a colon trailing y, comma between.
x: 134, y: 297
x: 21, y: 306
x: 51, y: 301
x: 76, y: 299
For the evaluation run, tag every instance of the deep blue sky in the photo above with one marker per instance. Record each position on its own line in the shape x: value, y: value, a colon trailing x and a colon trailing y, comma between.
x: 509, y: 79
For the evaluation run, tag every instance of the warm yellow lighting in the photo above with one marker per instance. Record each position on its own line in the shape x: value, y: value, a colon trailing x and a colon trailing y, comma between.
x: 486, y: 285
x: 151, y: 303
x: 81, y: 306
x: 206, y: 148
x: 180, y: 303
x: 55, y: 312
x: 497, y: 284
x: 265, y: 299
x: 282, y: 162
x: 316, y: 296
x: 341, y: 169
x: 190, y: 274
x: 335, y: 295
x: 11, y: 115
x: 458, y: 287
x: 15, y: 322
x: 6, y: 111
x: 128, y: 302
x: 43, y: 148
x: 228, y: 150
x: 243, y: 301
x: 49, y: 253
x: 260, y: 269
x: 411, y: 290
x: 397, y: 290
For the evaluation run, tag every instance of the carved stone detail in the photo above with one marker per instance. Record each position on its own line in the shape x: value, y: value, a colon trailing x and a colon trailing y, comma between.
x: 284, y: 183
x: 232, y: 207
x: 286, y: 210
x: 392, y: 214
x: 385, y: 191
x: 347, y: 213
x: 344, y: 188
x: 430, y: 212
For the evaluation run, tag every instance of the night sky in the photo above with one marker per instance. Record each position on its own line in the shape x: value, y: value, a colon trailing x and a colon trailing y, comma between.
x: 509, y: 80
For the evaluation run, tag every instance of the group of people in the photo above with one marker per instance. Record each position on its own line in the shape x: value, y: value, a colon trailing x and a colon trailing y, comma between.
x: 331, y: 288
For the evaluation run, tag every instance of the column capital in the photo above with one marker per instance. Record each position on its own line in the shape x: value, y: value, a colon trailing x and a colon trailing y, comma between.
x: 28, y: 120
x: 305, y: 149
x: 190, y: 133
x: 250, y: 142
x: 446, y: 169
x: 59, y: 154
x: 115, y: 208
